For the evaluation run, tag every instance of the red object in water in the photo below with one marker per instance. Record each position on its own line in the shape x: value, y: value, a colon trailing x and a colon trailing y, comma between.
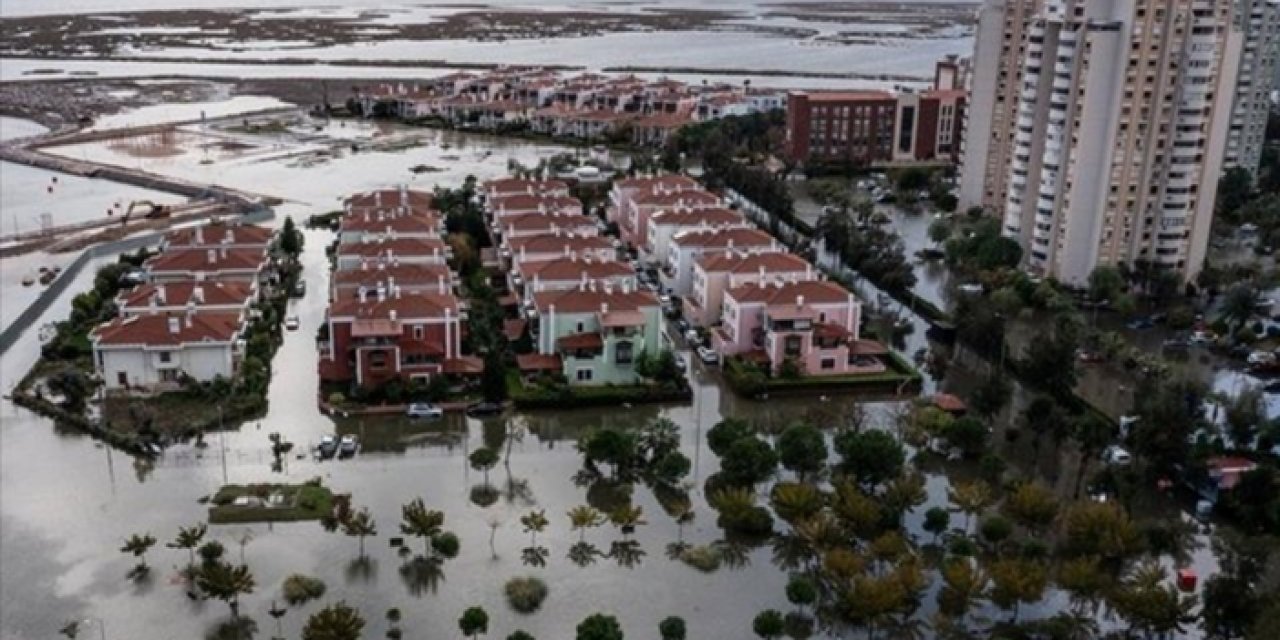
x: 1187, y: 579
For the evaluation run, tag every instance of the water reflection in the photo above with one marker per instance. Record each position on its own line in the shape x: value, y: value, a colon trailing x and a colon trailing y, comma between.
x: 422, y: 575
x: 535, y: 556
x: 238, y: 628
x: 584, y: 553
x: 362, y: 570
x: 627, y: 553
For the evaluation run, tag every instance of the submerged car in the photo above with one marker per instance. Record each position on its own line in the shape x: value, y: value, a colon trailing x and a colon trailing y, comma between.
x: 348, y: 446
x: 292, y: 323
x: 708, y: 356
x: 479, y: 409
x: 424, y: 410
x: 328, y: 447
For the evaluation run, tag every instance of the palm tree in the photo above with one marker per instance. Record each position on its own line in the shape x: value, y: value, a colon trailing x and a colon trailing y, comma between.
x: 627, y: 518
x: 189, y: 538
x: 534, y: 522
x: 138, y: 545
x: 903, y: 494
x: 585, y: 517
x: 1151, y: 605
x: 794, y: 501
x: 964, y: 587
x: 227, y: 582
x: 971, y: 498
x: 334, y: 622
x: 419, y: 521
x: 1017, y: 580
x: 360, y: 524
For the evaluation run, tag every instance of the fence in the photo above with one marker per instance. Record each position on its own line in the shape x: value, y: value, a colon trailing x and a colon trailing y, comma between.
x: 32, y: 313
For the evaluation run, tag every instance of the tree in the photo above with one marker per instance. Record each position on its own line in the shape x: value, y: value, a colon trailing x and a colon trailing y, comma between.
x: 520, y: 635
x: 189, y: 538
x: 138, y: 545
x: 995, y: 529
x: 939, y: 231
x: 1151, y: 605
x: 1234, y: 189
x: 870, y: 456
x: 1051, y: 360
x: 964, y: 586
x: 484, y: 459
x: 904, y: 493
x: 534, y: 522
x: 936, y: 520
x: 290, y: 239
x: 748, y: 461
x: 725, y: 433
x: 334, y: 622
x: 1105, y: 283
x: 801, y: 449
x: 992, y: 395
x: 793, y: 501
x: 420, y: 522
x: 583, y: 517
x: 967, y: 434
x: 1033, y: 506
x: 672, y: 628
x: 768, y: 624
x: 1238, y: 305
x: 610, y: 446
x: 1099, y: 529
x: 1015, y: 581
x: 599, y: 627
x: 1085, y: 579
x: 627, y: 518
x: 474, y: 621
x: 801, y: 591
x: 361, y: 525
x: 493, y: 380
x: 970, y: 497
x: 223, y: 581
x: 671, y: 467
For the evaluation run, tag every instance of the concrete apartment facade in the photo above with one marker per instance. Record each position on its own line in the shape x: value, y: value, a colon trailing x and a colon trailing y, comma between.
x: 1119, y: 132
x: 1259, y: 21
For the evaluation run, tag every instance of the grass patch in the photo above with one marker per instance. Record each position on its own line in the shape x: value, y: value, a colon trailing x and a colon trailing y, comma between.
x: 270, y: 503
x: 562, y: 396
x: 747, y: 380
x: 177, y: 414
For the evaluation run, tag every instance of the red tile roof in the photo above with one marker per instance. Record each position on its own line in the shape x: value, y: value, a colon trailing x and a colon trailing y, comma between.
x: 564, y: 268
x: 813, y: 291
x: 697, y: 217
x: 215, y: 233
x: 400, y: 247
x: 532, y: 202
x: 741, y: 262
x: 464, y: 366
x: 368, y: 222
x: 404, y: 274
x: 177, y: 294
x: 554, y: 224
x: 511, y: 186
x: 206, y: 260
x: 157, y: 330
x: 666, y: 182
x: 695, y: 197
x: 558, y: 243
x: 588, y: 301
x: 390, y: 198
x: 586, y: 340
x: 949, y: 403
x: 420, y: 306
x: 538, y: 362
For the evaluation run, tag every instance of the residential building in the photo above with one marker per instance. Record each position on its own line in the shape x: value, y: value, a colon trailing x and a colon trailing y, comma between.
x: 687, y: 246
x: 411, y: 279
x: 633, y: 200
x: 219, y: 235
x: 841, y: 127
x: 1123, y: 112
x: 495, y: 190
x: 1000, y: 46
x: 597, y: 332
x: 154, y: 351
x: 180, y: 265
x: 667, y: 222
x: 813, y: 325
x: 387, y: 334
x: 213, y: 296
x: 401, y: 199
x: 1259, y: 21
x: 928, y: 126
x: 392, y: 250
x: 549, y: 246
x: 715, y: 272
x: 365, y: 224
x: 561, y: 274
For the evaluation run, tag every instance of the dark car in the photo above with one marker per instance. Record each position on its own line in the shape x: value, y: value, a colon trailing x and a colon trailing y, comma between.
x: 479, y: 409
x: 1140, y: 323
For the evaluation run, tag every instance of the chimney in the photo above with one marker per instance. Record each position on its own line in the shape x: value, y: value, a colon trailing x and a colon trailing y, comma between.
x: 362, y: 293
x: 230, y: 237
x: 197, y: 294
x: 224, y: 252
x: 212, y: 255
x: 175, y: 325
x: 364, y: 265
x: 396, y: 290
x: 199, y: 235
x: 440, y: 285
x: 191, y: 312
x: 391, y: 315
x: 377, y: 198
x: 382, y: 293
x: 800, y: 301
x: 160, y: 294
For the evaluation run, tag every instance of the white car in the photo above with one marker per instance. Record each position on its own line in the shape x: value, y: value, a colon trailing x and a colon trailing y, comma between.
x: 1117, y: 456
x: 692, y: 336
x: 292, y: 323
x: 424, y: 410
x: 707, y: 356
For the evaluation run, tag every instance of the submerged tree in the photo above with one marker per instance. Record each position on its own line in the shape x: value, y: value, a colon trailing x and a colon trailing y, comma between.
x: 474, y: 622
x: 585, y: 517
x: 361, y: 525
x: 189, y: 538
x: 420, y: 522
x: 226, y: 582
x: 334, y: 622
x: 534, y: 522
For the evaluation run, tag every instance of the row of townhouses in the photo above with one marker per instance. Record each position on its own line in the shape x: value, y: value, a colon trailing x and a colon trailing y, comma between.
x: 393, y: 311
x: 587, y: 105
x: 187, y: 318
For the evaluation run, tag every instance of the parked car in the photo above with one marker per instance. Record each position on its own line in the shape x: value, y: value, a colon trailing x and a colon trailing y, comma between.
x: 424, y: 410
x: 1260, y: 358
x: 682, y: 325
x: 1138, y: 324
x: 479, y: 409
x: 693, y: 337
x: 348, y: 446
x: 708, y: 356
x: 1117, y: 456
x: 292, y: 323
x: 971, y: 288
x: 328, y: 447
x: 299, y: 288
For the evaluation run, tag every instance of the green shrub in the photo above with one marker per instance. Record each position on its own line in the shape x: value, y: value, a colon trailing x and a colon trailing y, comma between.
x: 754, y: 521
x: 446, y: 544
x: 704, y: 558
x: 525, y: 594
x: 299, y: 589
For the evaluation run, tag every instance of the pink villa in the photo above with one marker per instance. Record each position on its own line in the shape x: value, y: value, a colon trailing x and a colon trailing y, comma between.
x: 392, y: 251
x: 814, y: 324
x: 688, y: 245
x: 666, y: 223
x: 411, y: 279
x: 395, y: 223
x: 633, y: 200
x: 505, y: 187
x: 714, y: 273
x: 561, y: 274
x: 539, y: 224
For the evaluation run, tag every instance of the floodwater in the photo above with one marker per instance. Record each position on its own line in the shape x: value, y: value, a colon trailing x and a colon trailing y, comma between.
x: 67, y: 503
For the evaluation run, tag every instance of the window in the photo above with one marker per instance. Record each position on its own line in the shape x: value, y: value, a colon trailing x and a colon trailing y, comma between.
x: 417, y: 332
x: 122, y: 378
x: 828, y: 363
x: 166, y: 357
x: 378, y: 360
x: 791, y: 346
x: 584, y: 375
x: 623, y: 352
x: 581, y: 328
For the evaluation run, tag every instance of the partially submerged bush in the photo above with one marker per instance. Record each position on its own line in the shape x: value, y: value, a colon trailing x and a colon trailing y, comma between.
x: 299, y: 589
x: 525, y: 594
x: 703, y: 558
